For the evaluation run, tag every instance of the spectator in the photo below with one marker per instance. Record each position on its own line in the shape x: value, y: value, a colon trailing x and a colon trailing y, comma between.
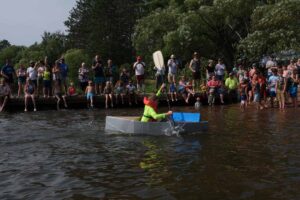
x: 131, y: 91
x: 160, y: 74
x: 4, y: 93
x: 59, y: 95
x: 270, y: 65
x: 21, y: 74
x: 83, y: 76
x: 194, y: 66
x: 273, y: 79
x: 111, y: 72
x: 40, y: 72
x: 119, y: 91
x: 210, y: 70
x: 173, y: 91
x: 109, y: 92
x: 29, y: 91
x: 89, y: 92
x: 72, y: 90
x: 124, y: 77
x: 32, y: 74
x: 47, y: 82
x: 64, y: 74
x: 212, y: 87
x: 220, y: 69
x: 99, y: 76
x: 8, y: 72
x: 231, y: 84
x: 139, y: 67
x: 292, y: 83
x: 172, y: 68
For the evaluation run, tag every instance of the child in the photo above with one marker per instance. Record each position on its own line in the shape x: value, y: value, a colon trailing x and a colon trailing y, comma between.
x: 89, y: 91
x: 29, y: 91
x: 182, y: 89
x: 119, y: 91
x: 198, y: 103
x: 280, y: 89
x: 272, y: 84
x: 256, y: 92
x: 4, y: 94
x: 172, y: 91
x: 108, y: 91
x: 243, y: 94
x: 72, y: 90
x: 59, y: 95
x: 47, y: 82
x: 131, y: 91
x: 212, y: 86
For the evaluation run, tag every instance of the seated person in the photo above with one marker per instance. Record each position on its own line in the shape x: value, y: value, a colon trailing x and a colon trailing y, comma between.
x: 150, y: 112
x: 4, y: 93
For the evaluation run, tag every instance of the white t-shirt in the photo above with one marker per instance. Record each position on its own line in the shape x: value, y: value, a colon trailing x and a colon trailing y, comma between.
x: 172, y: 64
x: 32, y: 73
x: 220, y: 69
x: 139, y: 68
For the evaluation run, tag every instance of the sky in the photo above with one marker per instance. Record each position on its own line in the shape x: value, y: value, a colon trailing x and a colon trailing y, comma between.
x: 23, y: 22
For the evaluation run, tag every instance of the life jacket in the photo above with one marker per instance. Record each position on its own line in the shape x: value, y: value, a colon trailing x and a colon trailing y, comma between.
x: 151, y: 104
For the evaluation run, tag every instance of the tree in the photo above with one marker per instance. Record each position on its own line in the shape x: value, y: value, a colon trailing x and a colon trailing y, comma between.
x: 74, y: 58
x: 274, y: 27
x: 104, y: 27
x: 4, y: 44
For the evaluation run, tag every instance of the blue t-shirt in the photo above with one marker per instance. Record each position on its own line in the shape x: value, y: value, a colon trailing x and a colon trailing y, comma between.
x: 8, y: 70
x: 272, y: 82
x: 64, y: 70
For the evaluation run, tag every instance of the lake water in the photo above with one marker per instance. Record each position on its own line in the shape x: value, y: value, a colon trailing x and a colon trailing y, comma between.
x: 67, y: 155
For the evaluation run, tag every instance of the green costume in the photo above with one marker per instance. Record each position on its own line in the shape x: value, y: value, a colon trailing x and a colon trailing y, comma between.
x: 150, y: 113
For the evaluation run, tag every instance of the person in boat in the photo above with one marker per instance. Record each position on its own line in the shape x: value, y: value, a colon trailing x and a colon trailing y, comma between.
x: 150, y: 112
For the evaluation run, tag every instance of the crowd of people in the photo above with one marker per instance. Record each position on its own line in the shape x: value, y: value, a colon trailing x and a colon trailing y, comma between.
x: 262, y: 86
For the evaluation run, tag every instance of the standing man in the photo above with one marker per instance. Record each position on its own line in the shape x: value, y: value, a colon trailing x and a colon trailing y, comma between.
x: 64, y: 73
x: 232, y: 84
x: 32, y: 74
x: 139, y: 67
x: 194, y: 66
x: 8, y: 72
x: 220, y: 70
x: 172, y: 69
x: 98, y: 74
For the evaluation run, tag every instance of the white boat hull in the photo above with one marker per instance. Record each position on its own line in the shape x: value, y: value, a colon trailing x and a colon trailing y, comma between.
x: 132, y: 126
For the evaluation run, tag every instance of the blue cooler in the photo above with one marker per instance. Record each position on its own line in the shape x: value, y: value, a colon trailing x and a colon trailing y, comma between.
x: 186, y: 117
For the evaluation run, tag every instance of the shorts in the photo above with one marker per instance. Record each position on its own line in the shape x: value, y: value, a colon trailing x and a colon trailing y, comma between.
x: 109, y: 78
x: 293, y: 91
x: 140, y: 78
x: 243, y: 97
x: 272, y: 94
x: 47, y: 84
x: 34, y: 82
x: 89, y: 95
x: 22, y: 79
x: 196, y: 75
x: 220, y: 77
x: 181, y: 90
x: 280, y: 95
x: 10, y: 79
x: 99, y: 80
x: 171, y: 77
x: 256, y: 97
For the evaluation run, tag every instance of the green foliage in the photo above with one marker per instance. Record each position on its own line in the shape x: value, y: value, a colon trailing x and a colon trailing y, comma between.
x: 4, y: 44
x: 74, y: 58
x: 10, y: 52
x: 274, y: 28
